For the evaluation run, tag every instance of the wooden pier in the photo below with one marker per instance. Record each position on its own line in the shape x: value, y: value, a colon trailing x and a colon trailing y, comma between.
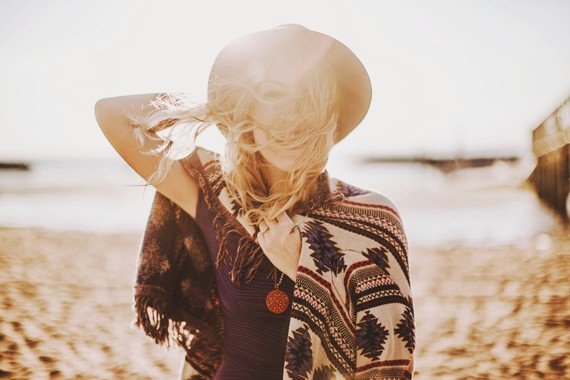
x: 5, y: 165
x: 551, y: 146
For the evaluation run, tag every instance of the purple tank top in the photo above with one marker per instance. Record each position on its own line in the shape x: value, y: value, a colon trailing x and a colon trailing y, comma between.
x: 254, y: 337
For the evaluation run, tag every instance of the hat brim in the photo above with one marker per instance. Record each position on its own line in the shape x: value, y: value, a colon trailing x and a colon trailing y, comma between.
x: 301, y: 48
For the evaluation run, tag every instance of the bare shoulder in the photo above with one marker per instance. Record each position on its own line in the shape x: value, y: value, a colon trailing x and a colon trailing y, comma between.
x: 203, y: 164
x: 205, y: 167
x: 207, y: 156
x: 189, y: 175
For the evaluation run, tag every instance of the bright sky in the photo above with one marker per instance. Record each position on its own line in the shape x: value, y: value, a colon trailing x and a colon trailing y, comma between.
x: 448, y: 76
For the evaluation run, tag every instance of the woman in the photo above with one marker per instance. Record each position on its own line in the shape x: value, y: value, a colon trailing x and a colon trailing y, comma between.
x: 256, y: 262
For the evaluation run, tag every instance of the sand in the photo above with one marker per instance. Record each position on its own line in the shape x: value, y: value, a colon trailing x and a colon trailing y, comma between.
x: 481, y: 313
x: 66, y: 309
x: 493, y: 313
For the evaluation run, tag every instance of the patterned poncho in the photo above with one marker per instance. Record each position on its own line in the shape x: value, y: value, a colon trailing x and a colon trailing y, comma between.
x: 352, y: 315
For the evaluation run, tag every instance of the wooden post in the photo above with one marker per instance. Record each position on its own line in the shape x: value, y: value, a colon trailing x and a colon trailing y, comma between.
x: 551, y: 146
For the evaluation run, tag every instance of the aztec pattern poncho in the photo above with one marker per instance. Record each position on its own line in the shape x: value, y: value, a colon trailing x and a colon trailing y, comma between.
x: 352, y: 314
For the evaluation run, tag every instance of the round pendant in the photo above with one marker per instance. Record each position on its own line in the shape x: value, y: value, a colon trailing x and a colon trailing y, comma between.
x: 277, y: 301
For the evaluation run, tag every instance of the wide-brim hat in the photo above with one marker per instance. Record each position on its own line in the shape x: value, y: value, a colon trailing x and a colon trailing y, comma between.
x: 292, y: 50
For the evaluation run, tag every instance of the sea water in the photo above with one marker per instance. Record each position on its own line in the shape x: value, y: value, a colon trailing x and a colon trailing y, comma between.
x: 474, y: 206
x: 75, y: 195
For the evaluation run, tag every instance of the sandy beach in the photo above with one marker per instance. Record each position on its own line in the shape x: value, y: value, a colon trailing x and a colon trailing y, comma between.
x: 482, y: 313
x: 66, y: 309
x: 494, y: 313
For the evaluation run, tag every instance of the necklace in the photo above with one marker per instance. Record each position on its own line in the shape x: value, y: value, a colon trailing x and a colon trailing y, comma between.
x: 277, y: 300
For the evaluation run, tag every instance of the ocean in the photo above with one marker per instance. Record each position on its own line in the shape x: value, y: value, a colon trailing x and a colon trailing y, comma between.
x: 484, y: 206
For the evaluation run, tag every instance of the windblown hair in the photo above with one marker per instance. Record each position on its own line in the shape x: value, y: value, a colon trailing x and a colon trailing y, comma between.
x: 305, y: 119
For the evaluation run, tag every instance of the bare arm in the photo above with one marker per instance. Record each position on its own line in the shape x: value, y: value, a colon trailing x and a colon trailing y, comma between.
x: 178, y: 185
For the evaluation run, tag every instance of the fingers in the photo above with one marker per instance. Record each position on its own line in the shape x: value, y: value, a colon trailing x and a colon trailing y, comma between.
x: 278, y: 234
x: 285, y: 221
x: 260, y: 239
x: 281, y: 223
x: 271, y: 223
x: 283, y: 218
x: 295, y: 228
x: 263, y: 227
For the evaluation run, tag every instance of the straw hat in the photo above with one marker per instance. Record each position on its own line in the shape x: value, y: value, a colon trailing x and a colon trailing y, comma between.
x: 287, y: 52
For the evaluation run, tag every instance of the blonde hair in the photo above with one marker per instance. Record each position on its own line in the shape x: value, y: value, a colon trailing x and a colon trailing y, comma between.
x: 305, y: 119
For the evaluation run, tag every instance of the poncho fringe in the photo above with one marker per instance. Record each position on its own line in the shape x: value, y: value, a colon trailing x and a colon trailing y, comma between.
x: 173, y: 312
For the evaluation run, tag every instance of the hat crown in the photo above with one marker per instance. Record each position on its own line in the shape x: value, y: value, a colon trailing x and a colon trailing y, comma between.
x: 285, y: 54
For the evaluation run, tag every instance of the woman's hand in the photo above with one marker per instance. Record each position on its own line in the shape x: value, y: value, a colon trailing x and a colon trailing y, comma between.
x: 280, y: 240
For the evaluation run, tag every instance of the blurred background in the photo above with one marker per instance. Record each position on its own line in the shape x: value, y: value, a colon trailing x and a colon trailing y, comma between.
x: 467, y: 134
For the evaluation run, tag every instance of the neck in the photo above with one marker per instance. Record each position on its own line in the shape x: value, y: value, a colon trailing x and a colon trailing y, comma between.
x: 276, y: 178
x: 277, y: 181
